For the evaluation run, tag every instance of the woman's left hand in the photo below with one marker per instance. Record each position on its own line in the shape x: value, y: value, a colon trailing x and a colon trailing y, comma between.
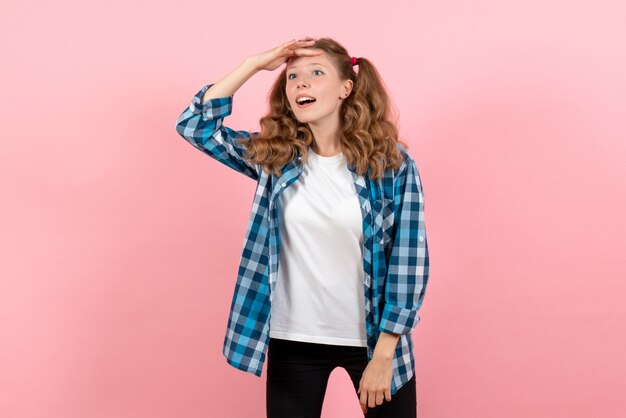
x: 375, y: 384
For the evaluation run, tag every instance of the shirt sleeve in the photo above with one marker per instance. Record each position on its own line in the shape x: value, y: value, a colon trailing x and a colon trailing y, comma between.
x: 202, y: 126
x: 408, y: 269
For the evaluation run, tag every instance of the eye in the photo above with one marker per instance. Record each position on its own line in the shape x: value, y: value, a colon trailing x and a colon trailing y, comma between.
x: 314, y: 71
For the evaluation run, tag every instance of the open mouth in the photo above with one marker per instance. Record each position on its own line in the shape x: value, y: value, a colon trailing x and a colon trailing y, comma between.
x: 305, y: 101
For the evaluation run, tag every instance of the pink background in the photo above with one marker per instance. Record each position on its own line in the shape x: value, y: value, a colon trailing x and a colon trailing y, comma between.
x: 120, y: 242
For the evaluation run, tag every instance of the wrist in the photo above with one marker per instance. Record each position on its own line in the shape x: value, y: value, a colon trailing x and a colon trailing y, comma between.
x: 386, y: 346
x: 250, y: 65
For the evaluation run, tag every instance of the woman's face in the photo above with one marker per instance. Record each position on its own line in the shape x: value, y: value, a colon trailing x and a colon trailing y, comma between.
x: 317, y: 78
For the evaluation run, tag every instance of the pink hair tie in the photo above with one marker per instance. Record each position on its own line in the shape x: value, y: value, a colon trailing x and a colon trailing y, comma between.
x: 354, y: 61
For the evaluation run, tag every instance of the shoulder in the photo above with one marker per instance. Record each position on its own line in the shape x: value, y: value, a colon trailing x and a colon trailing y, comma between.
x: 407, y: 176
x: 407, y: 164
x: 406, y: 156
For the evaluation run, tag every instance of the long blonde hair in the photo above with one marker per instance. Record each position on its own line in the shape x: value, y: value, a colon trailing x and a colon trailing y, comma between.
x: 369, y: 135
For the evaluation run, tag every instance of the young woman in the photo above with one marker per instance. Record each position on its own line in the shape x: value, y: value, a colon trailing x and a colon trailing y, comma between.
x: 335, y: 262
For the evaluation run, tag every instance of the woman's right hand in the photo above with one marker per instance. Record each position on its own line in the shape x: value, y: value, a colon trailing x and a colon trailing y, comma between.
x: 274, y: 58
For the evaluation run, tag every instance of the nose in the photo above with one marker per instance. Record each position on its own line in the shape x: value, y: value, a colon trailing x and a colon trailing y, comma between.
x: 302, y: 82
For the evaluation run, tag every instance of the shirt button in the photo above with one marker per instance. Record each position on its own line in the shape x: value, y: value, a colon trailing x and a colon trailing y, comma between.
x: 284, y: 184
x: 421, y: 238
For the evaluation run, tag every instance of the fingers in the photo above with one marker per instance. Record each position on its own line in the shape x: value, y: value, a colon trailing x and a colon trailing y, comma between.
x: 297, y: 45
x: 379, y: 398
x: 300, y: 41
x: 371, y: 399
x: 310, y: 52
x: 363, y: 400
x: 292, y: 52
x: 294, y: 45
x: 306, y: 52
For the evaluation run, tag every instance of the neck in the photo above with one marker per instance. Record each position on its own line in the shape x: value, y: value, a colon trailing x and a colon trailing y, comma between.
x: 326, y: 138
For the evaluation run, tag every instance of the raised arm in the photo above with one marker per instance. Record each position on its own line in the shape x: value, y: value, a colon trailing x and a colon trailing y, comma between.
x: 228, y: 85
x: 201, y: 123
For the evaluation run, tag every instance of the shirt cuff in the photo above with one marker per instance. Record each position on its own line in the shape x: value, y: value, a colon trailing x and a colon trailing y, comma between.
x: 397, y: 320
x: 215, y: 108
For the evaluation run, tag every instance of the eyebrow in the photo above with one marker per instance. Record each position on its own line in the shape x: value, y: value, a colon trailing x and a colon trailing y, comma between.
x: 313, y: 63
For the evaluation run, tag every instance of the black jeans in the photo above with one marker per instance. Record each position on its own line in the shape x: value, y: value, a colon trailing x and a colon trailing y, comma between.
x: 298, y: 372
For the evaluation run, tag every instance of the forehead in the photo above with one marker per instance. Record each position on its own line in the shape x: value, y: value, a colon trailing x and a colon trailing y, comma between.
x: 301, y: 62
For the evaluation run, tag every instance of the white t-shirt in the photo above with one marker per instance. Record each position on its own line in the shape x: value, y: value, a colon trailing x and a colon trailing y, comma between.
x: 319, y: 291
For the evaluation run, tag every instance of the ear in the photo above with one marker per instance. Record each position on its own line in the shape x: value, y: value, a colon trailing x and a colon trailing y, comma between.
x: 346, y: 89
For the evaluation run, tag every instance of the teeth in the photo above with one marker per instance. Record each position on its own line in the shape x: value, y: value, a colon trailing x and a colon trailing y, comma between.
x: 302, y: 99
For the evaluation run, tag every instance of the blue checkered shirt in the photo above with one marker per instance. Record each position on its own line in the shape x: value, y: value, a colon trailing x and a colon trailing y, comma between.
x: 395, y: 253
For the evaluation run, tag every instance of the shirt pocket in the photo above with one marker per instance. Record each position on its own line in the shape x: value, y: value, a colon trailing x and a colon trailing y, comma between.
x: 384, y: 220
